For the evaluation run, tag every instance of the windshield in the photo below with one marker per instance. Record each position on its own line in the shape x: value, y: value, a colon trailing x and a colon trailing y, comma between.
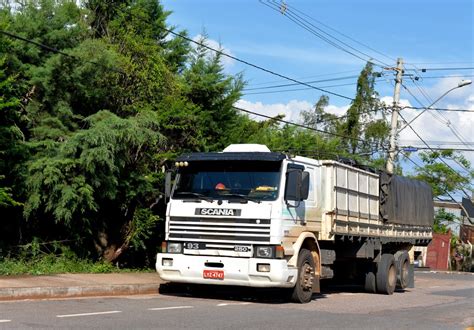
x: 244, y: 180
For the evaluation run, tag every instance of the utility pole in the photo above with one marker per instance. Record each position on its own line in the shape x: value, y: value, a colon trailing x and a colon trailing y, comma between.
x: 395, y: 109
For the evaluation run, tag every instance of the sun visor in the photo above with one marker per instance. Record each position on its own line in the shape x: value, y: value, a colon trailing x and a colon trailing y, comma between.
x: 232, y: 156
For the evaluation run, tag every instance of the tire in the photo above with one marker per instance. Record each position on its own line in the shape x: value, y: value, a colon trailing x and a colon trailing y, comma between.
x: 403, y: 266
x: 386, y: 278
x: 303, y: 290
x: 370, y: 284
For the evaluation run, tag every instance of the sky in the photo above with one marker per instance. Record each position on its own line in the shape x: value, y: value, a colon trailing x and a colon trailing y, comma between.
x: 427, y: 34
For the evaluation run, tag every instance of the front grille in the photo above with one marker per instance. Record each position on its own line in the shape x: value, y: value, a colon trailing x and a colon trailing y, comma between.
x: 220, y: 230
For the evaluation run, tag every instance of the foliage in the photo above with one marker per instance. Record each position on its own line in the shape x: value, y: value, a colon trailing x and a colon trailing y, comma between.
x: 443, y: 179
x: 442, y: 220
x: 213, y: 93
x: 82, y: 135
x: 319, y: 119
x: 359, y: 134
x: 362, y: 131
x: 37, y: 258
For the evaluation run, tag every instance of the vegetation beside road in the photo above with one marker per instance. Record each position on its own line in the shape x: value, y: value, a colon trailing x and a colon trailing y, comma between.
x: 88, y: 124
x: 36, y: 258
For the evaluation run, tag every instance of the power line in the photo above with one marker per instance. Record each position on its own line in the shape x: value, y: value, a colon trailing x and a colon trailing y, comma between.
x: 467, y: 62
x: 426, y: 144
x: 342, y: 34
x: 303, y: 89
x: 305, y: 24
x: 445, y: 191
x: 298, y: 125
x: 438, y: 109
x: 57, y: 51
x: 51, y: 49
x: 435, y: 142
x: 306, y: 77
x: 298, y: 89
x: 293, y: 84
x: 451, y: 76
x: 441, y: 69
x: 441, y: 116
x: 220, y: 52
x: 435, y: 148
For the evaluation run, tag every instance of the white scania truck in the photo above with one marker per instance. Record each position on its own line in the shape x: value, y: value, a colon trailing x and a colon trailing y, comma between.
x: 250, y: 217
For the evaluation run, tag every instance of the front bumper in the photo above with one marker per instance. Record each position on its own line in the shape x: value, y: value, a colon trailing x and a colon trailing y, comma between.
x: 237, y: 271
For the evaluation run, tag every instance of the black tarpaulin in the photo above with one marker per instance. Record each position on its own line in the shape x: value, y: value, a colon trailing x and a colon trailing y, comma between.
x: 405, y: 201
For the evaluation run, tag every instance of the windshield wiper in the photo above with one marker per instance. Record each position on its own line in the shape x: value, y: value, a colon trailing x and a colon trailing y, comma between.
x: 195, y: 194
x: 245, y: 197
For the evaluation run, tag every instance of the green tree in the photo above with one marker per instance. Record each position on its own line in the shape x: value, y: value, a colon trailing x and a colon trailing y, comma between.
x: 11, y: 138
x: 320, y: 119
x: 98, y: 178
x: 442, y: 220
x: 90, y: 127
x: 444, y: 179
x: 214, y: 93
x: 363, y: 131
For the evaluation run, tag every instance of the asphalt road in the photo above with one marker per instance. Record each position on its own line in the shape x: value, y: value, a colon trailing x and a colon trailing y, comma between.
x: 439, y: 301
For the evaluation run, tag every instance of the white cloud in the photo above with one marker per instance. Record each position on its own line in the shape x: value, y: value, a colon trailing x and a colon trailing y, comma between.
x: 291, y: 110
x: 388, y: 102
x: 335, y: 110
x: 457, y: 95
x: 433, y: 127
x: 227, y: 62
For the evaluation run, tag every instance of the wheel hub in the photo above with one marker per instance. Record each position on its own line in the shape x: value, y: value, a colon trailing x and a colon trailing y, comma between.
x: 307, y: 277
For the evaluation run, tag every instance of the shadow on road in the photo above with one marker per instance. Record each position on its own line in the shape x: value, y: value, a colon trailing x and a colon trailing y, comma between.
x: 256, y: 295
x: 234, y: 293
x: 246, y: 294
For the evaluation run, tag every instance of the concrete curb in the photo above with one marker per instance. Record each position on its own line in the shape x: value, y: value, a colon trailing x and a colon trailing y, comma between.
x: 76, y: 291
x: 443, y: 272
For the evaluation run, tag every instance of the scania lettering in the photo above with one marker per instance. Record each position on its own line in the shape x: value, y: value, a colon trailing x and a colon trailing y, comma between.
x: 227, y: 212
x: 250, y: 217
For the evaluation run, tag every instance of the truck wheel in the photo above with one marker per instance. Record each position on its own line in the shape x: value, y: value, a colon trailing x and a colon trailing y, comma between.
x: 370, y: 280
x: 303, y: 290
x: 403, y: 265
x: 386, y: 274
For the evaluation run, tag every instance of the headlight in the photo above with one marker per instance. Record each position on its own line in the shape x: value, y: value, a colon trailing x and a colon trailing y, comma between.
x: 264, y: 252
x: 174, y: 247
x: 271, y: 251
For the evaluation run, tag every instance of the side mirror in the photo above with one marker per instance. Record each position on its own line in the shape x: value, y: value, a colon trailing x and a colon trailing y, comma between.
x: 297, y: 185
x: 293, y: 185
x: 168, y: 185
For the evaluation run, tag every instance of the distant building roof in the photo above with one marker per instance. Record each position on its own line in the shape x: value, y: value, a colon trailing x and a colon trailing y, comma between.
x: 447, y: 205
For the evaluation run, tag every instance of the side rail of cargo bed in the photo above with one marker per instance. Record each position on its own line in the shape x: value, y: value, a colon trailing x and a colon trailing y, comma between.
x: 387, y: 233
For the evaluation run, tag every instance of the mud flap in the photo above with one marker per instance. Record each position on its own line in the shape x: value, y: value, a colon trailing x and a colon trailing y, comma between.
x: 411, y: 276
x: 316, y: 286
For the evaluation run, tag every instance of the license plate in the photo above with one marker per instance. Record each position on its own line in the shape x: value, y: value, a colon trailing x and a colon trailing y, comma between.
x: 213, y: 274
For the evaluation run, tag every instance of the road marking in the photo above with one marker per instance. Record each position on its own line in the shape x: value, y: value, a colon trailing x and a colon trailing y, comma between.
x: 435, y: 286
x: 5, y: 321
x: 167, y: 308
x: 88, y: 314
x: 225, y: 304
